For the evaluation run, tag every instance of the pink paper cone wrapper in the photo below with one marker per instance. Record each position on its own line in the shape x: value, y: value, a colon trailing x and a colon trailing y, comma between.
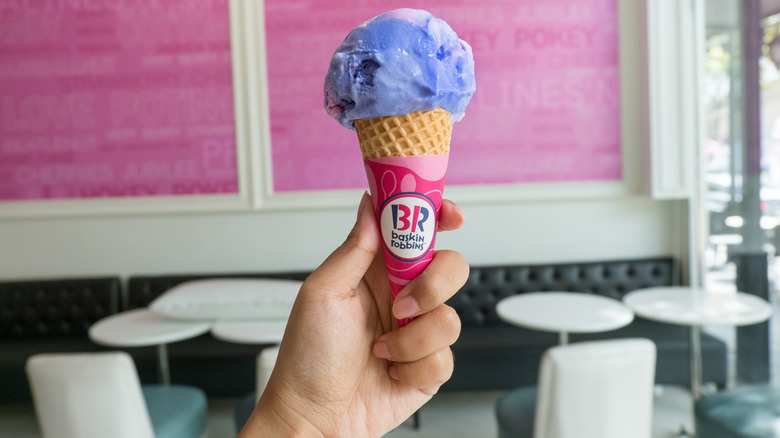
x: 407, y: 194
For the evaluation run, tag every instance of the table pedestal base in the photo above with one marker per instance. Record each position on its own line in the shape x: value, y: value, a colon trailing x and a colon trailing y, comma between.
x: 696, y: 367
x: 164, y: 371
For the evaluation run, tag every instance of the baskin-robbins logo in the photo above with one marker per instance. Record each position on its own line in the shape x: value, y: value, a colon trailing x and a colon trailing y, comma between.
x: 408, y: 223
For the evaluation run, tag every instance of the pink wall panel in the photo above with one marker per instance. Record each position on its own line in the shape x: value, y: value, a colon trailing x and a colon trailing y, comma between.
x: 134, y: 98
x: 115, y: 98
x: 547, y: 106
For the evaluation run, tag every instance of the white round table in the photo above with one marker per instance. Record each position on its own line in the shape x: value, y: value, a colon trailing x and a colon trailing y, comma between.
x: 696, y: 307
x: 564, y: 312
x: 250, y: 331
x: 142, y: 328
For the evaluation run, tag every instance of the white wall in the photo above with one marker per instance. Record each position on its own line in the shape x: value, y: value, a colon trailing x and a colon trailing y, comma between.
x: 519, y: 232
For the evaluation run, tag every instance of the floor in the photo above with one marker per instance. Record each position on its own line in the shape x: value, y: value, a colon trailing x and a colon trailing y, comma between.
x: 452, y: 415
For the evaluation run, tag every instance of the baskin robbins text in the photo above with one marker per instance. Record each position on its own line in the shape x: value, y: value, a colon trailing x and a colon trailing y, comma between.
x: 409, y: 224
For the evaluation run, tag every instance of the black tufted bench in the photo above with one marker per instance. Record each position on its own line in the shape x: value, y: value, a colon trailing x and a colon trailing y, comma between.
x: 54, y: 316
x: 491, y: 354
x: 48, y: 316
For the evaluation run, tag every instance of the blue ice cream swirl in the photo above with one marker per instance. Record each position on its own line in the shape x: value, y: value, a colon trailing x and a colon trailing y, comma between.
x: 400, y: 61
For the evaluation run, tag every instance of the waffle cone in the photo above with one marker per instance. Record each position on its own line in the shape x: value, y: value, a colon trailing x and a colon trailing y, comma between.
x: 417, y: 133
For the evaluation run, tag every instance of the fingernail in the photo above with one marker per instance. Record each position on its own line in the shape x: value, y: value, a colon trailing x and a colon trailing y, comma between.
x: 393, y: 372
x: 381, y: 351
x: 365, y: 200
x: 364, y: 209
x: 405, y: 307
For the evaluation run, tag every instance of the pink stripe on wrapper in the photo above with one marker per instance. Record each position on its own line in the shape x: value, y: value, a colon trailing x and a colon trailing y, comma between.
x: 407, y: 194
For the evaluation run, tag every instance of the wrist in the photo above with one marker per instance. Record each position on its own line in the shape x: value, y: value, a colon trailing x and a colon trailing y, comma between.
x: 271, y: 418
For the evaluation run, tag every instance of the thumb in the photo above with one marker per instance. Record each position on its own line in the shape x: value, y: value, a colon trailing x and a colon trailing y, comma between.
x: 345, y: 267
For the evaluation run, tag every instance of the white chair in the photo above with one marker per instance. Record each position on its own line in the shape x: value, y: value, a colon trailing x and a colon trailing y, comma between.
x: 99, y: 395
x: 599, y: 389
x: 266, y: 360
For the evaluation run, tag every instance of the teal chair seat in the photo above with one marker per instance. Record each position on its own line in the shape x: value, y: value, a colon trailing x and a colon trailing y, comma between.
x: 244, y: 410
x: 515, y: 411
x: 176, y: 411
x: 750, y: 411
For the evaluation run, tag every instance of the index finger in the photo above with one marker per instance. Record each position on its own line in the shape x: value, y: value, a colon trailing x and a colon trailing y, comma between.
x: 444, y: 276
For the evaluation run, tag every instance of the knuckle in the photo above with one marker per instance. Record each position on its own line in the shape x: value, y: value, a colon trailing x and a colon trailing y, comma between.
x: 434, y: 286
x: 354, y: 242
x: 450, y: 323
x: 457, y: 268
x: 400, y: 348
x: 443, y: 365
x: 425, y: 289
x: 460, y: 267
x: 432, y: 371
x: 448, y: 256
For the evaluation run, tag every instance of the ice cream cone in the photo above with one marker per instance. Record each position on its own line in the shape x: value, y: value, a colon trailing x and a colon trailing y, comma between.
x: 406, y: 163
x: 416, y: 133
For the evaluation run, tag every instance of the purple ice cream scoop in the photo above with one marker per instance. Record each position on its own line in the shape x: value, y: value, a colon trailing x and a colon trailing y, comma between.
x: 397, y: 62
